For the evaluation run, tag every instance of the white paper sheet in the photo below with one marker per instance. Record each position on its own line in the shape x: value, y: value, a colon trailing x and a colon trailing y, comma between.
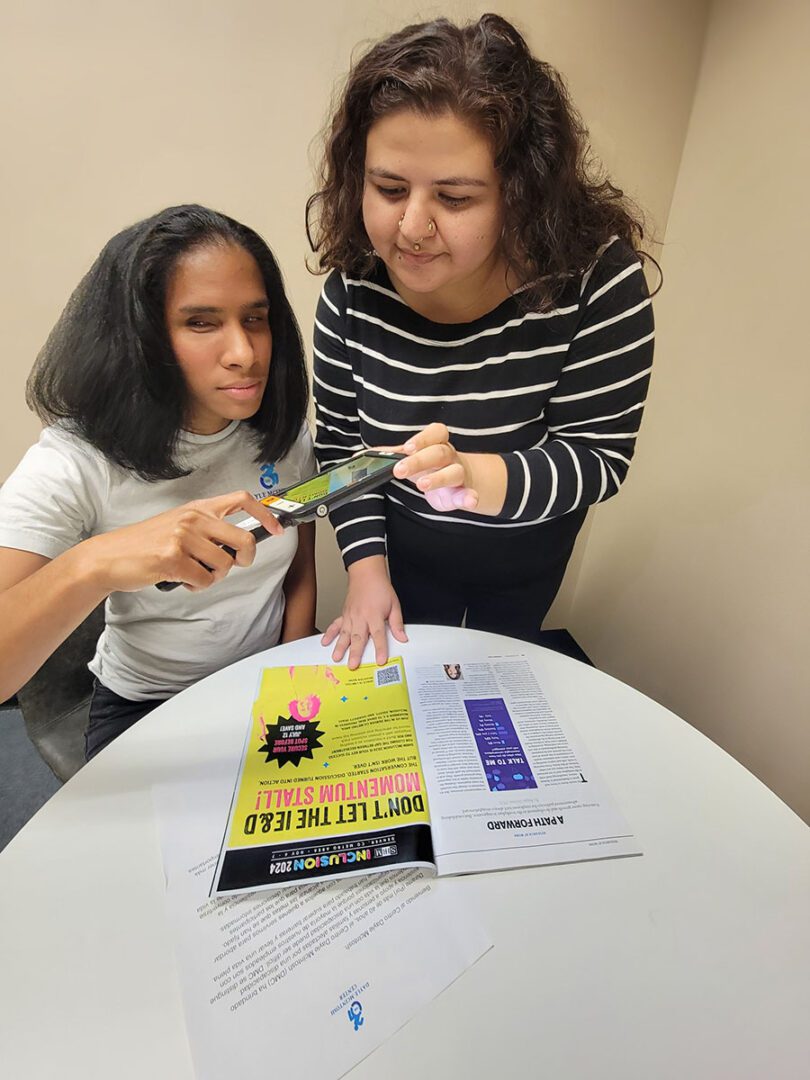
x: 307, y: 980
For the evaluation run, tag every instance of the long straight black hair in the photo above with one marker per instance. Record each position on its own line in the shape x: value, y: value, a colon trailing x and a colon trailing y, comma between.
x: 108, y: 368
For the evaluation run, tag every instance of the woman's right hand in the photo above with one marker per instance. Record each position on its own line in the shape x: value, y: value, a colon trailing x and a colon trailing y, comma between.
x: 178, y: 545
x: 370, y: 603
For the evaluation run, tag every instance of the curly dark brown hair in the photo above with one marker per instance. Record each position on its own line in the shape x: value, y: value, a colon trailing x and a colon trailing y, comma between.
x: 559, y: 207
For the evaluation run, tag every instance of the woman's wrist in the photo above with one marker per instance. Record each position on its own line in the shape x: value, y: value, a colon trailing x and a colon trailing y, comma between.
x: 369, y: 569
x: 486, y: 474
x: 86, y: 569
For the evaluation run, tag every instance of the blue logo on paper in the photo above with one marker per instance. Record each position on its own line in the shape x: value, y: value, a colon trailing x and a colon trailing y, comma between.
x: 355, y: 1014
x: 268, y: 476
x: 348, y: 1001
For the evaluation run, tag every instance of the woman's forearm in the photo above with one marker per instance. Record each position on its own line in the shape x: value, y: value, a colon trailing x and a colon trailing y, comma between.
x: 38, y: 612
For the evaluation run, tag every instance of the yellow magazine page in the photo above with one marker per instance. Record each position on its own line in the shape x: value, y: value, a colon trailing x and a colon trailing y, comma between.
x: 330, y: 781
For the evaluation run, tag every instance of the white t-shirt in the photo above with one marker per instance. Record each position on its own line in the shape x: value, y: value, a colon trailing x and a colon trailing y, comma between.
x: 157, y: 643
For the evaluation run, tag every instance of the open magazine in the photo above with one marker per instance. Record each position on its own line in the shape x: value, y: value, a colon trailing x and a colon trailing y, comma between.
x: 343, y: 773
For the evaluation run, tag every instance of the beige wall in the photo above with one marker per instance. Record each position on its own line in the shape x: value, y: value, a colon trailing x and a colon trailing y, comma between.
x: 695, y: 583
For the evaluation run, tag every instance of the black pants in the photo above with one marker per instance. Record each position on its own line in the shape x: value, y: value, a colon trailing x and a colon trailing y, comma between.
x: 110, y: 715
x: 503, y: 580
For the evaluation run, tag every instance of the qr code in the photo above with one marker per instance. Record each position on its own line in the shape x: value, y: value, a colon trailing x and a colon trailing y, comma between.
x: 387, y: 676
x: 381, y: 852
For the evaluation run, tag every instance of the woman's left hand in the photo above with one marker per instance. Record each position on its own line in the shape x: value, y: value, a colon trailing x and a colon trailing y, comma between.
x: 438, y: 469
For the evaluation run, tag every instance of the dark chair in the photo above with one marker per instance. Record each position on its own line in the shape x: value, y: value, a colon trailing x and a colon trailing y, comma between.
x: 55, y: 702
x: 562, y: 642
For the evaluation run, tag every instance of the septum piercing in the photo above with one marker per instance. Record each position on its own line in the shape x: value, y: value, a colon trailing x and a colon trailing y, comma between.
x: 417, y: 244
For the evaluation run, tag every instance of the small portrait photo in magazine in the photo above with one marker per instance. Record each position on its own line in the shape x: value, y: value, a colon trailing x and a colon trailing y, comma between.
x: 453, y: 671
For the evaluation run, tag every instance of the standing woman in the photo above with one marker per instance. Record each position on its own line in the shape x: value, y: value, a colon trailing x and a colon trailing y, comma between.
x: 175, y: 374
x: 487, y: 309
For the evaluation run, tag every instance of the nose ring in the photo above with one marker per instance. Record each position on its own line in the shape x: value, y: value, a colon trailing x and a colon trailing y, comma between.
x: 431, y: 229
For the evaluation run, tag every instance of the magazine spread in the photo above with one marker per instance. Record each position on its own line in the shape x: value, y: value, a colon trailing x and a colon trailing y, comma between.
x: 343, y: 773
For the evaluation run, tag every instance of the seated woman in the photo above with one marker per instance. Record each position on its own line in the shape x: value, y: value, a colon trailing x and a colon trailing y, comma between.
x: 175, y: 373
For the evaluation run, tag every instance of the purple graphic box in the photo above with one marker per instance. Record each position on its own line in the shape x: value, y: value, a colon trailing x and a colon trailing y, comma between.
x: 502, y: 756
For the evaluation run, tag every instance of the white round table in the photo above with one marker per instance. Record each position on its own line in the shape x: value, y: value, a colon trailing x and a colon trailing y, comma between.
x: 692, y: 961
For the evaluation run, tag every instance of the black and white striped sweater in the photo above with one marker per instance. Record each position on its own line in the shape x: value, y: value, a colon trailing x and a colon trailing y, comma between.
x: 558, y: 394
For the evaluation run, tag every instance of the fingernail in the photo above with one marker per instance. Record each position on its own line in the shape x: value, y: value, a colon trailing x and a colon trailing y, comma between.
x: 409, y: 447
